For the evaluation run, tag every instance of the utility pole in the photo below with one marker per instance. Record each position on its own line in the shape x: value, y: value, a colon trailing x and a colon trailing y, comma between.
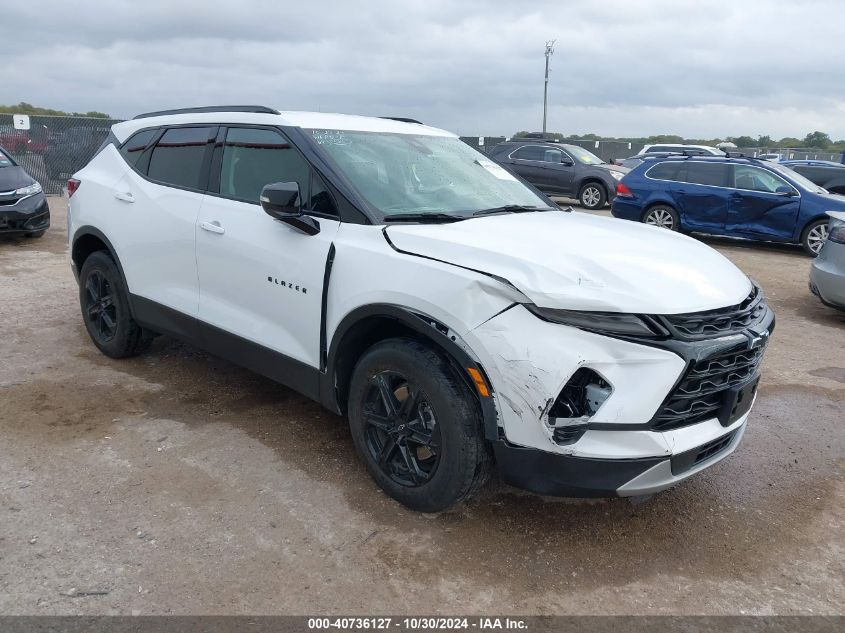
x: 549, y: 52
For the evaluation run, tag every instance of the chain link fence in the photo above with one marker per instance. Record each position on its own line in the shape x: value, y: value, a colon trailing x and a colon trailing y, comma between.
x: 54, y: 146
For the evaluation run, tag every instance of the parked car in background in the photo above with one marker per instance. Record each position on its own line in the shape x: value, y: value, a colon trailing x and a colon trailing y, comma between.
x: 634, y: 161
x: 824, y: 173
x: 737, y: 197
x: 71, y: 149
x: 677, y: 147
x: 399, y: 277
x: 559, y: 169
x: 827, y: 272
x: 18, y: 142
x: 23, y: 207
x: 772, y: 157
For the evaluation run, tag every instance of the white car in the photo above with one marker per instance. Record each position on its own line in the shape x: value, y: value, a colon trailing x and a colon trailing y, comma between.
x: 677, y: 147
x: 457, y: 317
x: 775, y: 158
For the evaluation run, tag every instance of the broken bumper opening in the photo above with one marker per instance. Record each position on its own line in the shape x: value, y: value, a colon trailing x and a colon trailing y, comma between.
x: 561, y: 475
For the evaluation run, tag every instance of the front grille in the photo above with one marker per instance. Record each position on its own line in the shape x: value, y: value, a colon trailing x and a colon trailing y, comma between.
x: 700, y: 394
x: 682, y: 462
x: 720, y: 322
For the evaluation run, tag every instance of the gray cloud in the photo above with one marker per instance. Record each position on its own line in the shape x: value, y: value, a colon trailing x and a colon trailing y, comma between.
x: 620, y: 67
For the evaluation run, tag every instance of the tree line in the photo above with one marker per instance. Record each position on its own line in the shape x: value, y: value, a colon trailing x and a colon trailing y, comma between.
x: 27, y: 108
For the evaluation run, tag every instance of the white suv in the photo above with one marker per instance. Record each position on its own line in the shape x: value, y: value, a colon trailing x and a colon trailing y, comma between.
x: 452, y: 312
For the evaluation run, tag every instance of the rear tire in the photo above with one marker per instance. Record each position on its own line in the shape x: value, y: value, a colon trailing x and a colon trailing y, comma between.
x: 105, y: 309
x: 592, y: 196
x: 813, y: 237
x: 662, y: 216
x: 416, y: 426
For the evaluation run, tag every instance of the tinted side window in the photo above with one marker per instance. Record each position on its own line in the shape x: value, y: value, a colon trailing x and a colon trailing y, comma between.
x: 530, y: 152
x: 253, y: 158
x: 663, y: 171
x: 177, y: 158
x: 132, y: 148
x: 712, y: 174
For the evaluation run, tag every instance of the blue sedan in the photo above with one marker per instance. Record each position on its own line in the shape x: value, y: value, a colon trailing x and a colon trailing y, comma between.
x: 735, y: 197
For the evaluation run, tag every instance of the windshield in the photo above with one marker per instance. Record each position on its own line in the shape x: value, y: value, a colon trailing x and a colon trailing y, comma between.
x: 797, y: 178
x: 5, y: 161
x: 422, y: 174
x: 584, y: 156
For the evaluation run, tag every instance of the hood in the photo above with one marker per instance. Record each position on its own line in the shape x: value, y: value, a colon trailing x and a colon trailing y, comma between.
x: 14, y: 177
x: 578, y: 261
x: 612, y: 167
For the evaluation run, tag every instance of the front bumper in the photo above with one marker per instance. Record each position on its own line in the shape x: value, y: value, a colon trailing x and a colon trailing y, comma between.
x: 572, y: 476
x: 627, y: 447
x: 827, y: 275
x: 27, y: 216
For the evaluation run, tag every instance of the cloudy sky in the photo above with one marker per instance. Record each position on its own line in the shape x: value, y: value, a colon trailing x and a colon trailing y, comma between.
x: 623, y: 68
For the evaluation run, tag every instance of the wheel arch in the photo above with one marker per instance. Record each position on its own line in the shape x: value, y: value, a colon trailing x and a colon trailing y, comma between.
x: 365, y: 326
x: 88, y: 240
x: 659, y: 203
x: 802, y: 231
x: 591, y: 179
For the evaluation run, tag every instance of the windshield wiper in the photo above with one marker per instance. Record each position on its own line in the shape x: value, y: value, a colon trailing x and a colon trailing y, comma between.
x: 431, y: 218
x: 510, y: 208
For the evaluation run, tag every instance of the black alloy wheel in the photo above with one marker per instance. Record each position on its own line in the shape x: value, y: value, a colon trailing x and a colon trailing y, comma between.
x: 401, y: 430
x: 100, y: 309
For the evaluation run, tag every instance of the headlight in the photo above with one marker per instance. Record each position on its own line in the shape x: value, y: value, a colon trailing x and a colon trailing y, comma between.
x: 616, y: 174
x: 601, y: 322
x: 28, y: 191
x: 837, y: 232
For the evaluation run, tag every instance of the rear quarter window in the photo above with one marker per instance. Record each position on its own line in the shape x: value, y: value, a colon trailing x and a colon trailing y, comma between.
x: 131, y: 150
x: 663, y: 171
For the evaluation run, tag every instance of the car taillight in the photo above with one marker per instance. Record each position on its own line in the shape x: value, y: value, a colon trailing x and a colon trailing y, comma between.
x: 72, y: 186
x: 622, y: 190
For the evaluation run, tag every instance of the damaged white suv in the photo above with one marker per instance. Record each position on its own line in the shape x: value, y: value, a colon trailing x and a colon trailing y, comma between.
x: 457, y: 317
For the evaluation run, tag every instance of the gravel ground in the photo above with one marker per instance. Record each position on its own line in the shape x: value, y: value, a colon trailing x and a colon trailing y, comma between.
x: 179, y: 483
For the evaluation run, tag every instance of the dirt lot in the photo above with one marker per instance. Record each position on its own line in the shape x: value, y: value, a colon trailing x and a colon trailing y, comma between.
x: 179, y: 483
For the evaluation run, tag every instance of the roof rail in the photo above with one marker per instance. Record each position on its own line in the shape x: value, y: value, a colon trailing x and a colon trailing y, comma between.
x: 232, y: 108
x: 401, y: 119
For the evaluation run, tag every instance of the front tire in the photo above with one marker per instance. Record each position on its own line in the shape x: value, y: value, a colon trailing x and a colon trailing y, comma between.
x: 105, y: 309
x: 662, y: 216
x: 592, y: 196
x: 416, y: 426
x: 814, y: 237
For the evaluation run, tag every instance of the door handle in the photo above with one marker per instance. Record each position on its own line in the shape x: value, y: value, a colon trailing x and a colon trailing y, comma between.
x: 126, y: 196
x: 213, y: 227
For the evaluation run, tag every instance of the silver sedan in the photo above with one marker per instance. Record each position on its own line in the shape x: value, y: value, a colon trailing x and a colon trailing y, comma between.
x: 827, y: 272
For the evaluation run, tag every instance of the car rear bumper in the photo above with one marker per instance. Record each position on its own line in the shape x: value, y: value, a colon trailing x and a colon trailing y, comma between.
x: 572, y: 476
x: 827, y: 275
x: 626, y: 209
x: 27, y: 216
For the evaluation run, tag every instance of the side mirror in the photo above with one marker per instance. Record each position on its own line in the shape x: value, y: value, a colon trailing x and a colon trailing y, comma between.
x: 566, y: 161
x: 789, y: 192
x: 281, y: 201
